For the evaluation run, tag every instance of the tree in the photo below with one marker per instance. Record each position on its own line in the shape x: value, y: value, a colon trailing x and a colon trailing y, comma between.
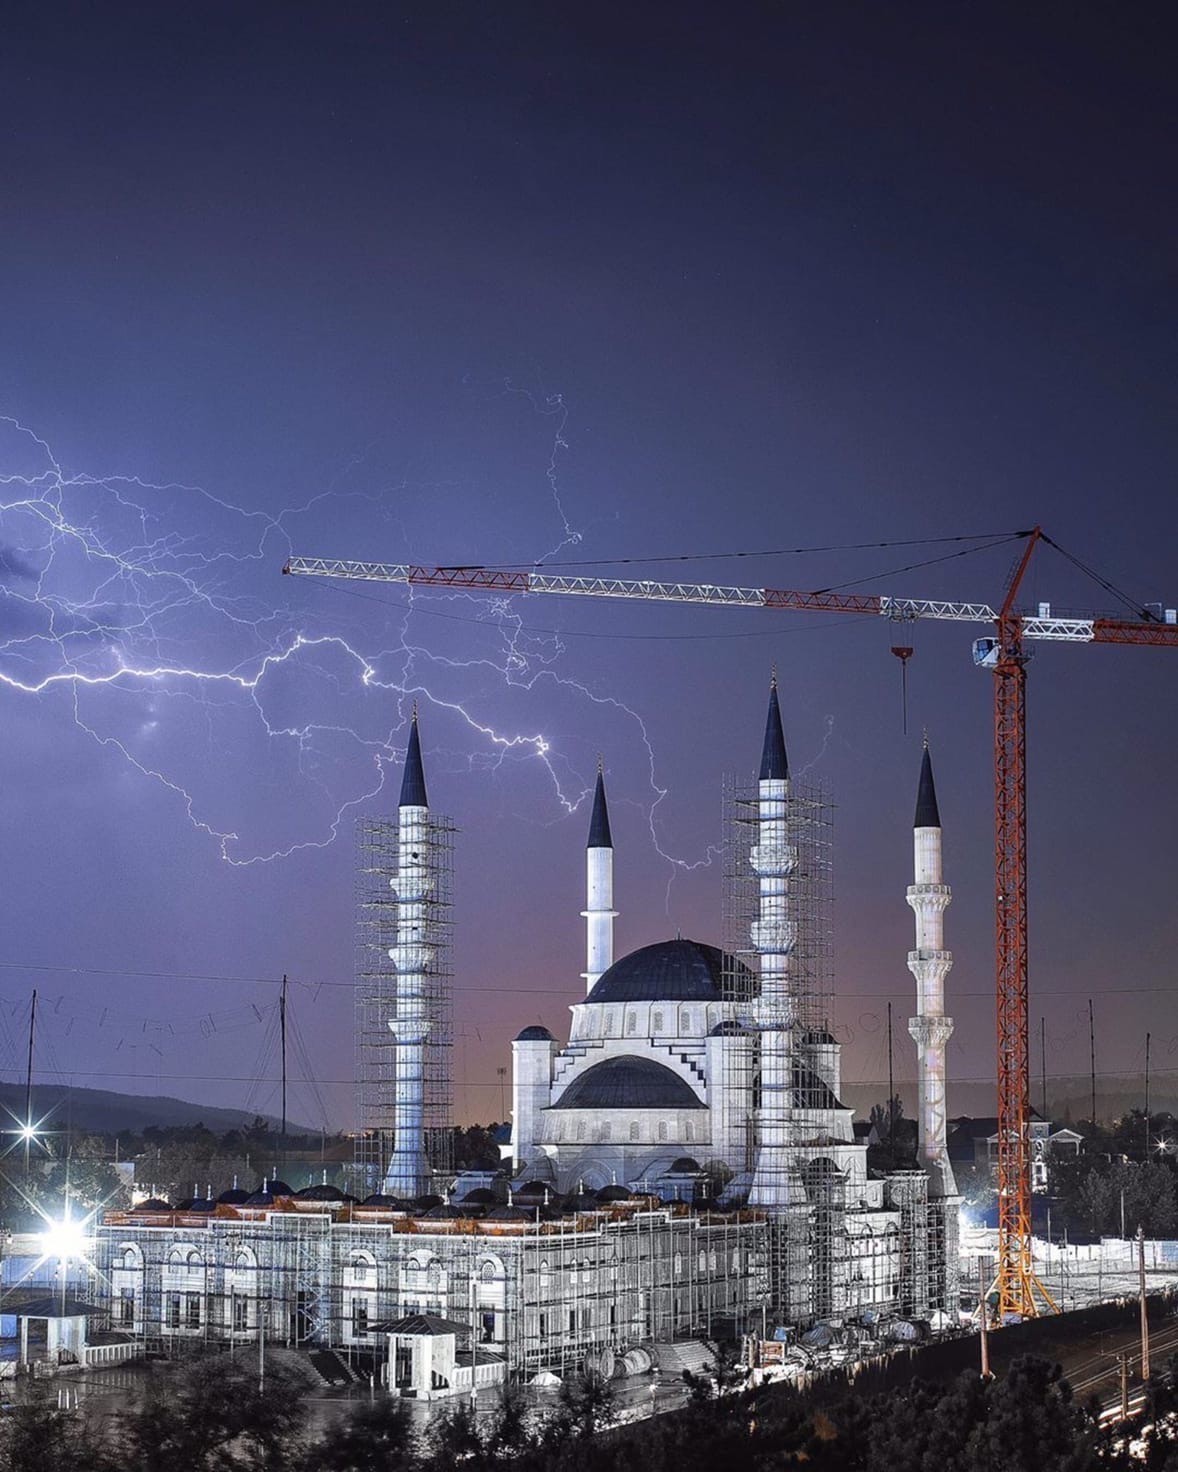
x: 377, y: 1436
x: 37, y: 1437
x: 210, y: 1413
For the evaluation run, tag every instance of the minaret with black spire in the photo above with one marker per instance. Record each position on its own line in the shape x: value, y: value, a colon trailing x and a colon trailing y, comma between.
x: 930, y: 963
x: 773, y: 859
x: 599, y: 912
x: 412, y: 955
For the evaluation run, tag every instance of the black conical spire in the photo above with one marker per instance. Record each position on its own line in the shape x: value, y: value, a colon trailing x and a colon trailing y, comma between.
x: 413, y: 781
x: 774, y: 762
x: 927, y: 815
x: 599, y: 834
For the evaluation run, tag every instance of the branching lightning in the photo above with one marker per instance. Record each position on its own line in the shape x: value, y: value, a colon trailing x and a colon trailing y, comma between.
x: 105, y: 596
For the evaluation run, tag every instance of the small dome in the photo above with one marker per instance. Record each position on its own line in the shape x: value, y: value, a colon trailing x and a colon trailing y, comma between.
x: 628, y: 1083
x: 534, y: 1034
x: 390, y: 1203
x: 235, y: 1196
x: 730, y: 1029
x: 509, y: 1214
x: 321, y: 1193
x: 197, y: 1203
x: 278, y: 1188
x: 612, y: 1193
x: 582, y: 1201
x: 480, y: 1196
x: 259, y: 1198
x: 427, y: 1202
x: 684, y: 1166
x: 153, y: 1203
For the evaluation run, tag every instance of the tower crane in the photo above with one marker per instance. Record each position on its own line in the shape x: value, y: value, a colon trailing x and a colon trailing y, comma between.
x: 1018, y: 1291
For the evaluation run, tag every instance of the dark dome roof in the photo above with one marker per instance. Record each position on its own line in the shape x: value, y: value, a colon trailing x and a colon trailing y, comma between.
x: 480, y: 1196
x: 259, y: 1198
x: 322, y: 1192
x: 278, y: 1188
x: 153, y: 1203
x: 427, y: 1202
x: 235, y: 1196
x: 613, y: 1193
x: 378, y: 1200
x: 684, y: 1166
x: 534, y: 1034
x: 730, y: 1029
x: 628, y: 1083
x: 197, y: 1203
x: 670, y: 971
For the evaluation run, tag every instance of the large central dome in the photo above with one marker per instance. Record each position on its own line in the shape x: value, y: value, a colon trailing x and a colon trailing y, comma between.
x: 670, y: 971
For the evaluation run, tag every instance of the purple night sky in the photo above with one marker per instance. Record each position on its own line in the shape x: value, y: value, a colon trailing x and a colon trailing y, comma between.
x: 469, y: 283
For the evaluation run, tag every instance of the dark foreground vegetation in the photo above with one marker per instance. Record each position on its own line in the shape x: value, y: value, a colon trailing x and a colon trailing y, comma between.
x: 208, y: 1416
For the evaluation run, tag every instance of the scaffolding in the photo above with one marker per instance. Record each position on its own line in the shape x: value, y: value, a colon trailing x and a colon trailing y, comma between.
x: 376, y: 841
x: 557, y: 1295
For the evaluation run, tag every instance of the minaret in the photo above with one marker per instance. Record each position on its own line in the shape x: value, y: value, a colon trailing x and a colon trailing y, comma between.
x: 412, y: 955
x: 773, y: 860
x: 599, y: 890
x: 930, y: 964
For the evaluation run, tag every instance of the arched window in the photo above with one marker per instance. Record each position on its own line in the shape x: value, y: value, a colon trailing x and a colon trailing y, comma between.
x: 580, y: 1129
x: 433, y: 1273
x: 631, y: 1023
x: 703, y: 1262
x: 662, y: 1129
x: 193, y: 1261
x: 544, y: 1275
x: 688, y: 1132
x: 656, y: 1022
x: 130, y: 1257
x: 634, y: 1129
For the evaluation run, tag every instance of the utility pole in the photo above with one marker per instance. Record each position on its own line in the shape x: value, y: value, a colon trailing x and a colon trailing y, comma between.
x: 282, y: 1029
x: 1144, y: 1311
x: 1147, y: 1098
x: 891, y: 1081
x: 983, y: 1319
x: 1043, y: 1060
x: 1123, y: 1362
x: 1092, y: 1058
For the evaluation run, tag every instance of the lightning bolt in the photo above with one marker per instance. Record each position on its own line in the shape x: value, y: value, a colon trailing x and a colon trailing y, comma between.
x: 106, y: 588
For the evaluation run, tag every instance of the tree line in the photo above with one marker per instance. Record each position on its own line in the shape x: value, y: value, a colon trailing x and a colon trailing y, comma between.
x: 210, y: 1415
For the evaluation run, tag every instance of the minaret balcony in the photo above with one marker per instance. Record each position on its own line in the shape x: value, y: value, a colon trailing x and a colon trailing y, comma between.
x: 773, y: 937
x: 773, y: 858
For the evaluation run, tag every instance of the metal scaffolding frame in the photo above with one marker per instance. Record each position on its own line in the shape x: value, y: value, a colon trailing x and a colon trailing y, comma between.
x: 376, y: 864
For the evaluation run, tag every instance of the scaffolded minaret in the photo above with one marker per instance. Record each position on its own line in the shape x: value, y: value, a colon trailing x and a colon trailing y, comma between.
x: 599, y: 912
x: 773, y: 859
x: 931, y: 1029
x: 412, y: 955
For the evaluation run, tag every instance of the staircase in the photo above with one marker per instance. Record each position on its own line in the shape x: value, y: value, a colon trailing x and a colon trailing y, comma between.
x: 333, y: 1370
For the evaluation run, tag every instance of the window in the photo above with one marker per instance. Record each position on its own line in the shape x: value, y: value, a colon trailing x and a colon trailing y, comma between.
x: 192, y: 1310
x: 241, y: 1313
x: 544, y: 1277
x: 584, y: 1318
x: 359, y: 1317
x: 126, y: 1314
x: 359, y: 1267
x: 656, y: 1022
x: 631, y: 1023
x: 543, y: 1326
x: 173, y: 1311
x: 580, y: 1129
x: 613, y: 1315
x: 662, y: 1129
x: 633, y: 1129
x: 678, y: 1263
x: 130, y: 1258
x: 703, y: 1262
x: 572, y: 1321
x: 687, y: 1130
x: 487, y: 1272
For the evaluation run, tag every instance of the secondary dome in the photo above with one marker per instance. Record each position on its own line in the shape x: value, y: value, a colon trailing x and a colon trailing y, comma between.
x: 628, y: 1083
x: 669, y: 971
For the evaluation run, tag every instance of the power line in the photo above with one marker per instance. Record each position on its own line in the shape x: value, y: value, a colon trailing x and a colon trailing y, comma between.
x: 524, y: 991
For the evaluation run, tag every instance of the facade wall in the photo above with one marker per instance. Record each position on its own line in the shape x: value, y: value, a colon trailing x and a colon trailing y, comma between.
x: 544, y: 1297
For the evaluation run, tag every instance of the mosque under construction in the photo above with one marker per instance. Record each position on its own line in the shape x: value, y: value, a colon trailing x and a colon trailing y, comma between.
x: 682, y: 1167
